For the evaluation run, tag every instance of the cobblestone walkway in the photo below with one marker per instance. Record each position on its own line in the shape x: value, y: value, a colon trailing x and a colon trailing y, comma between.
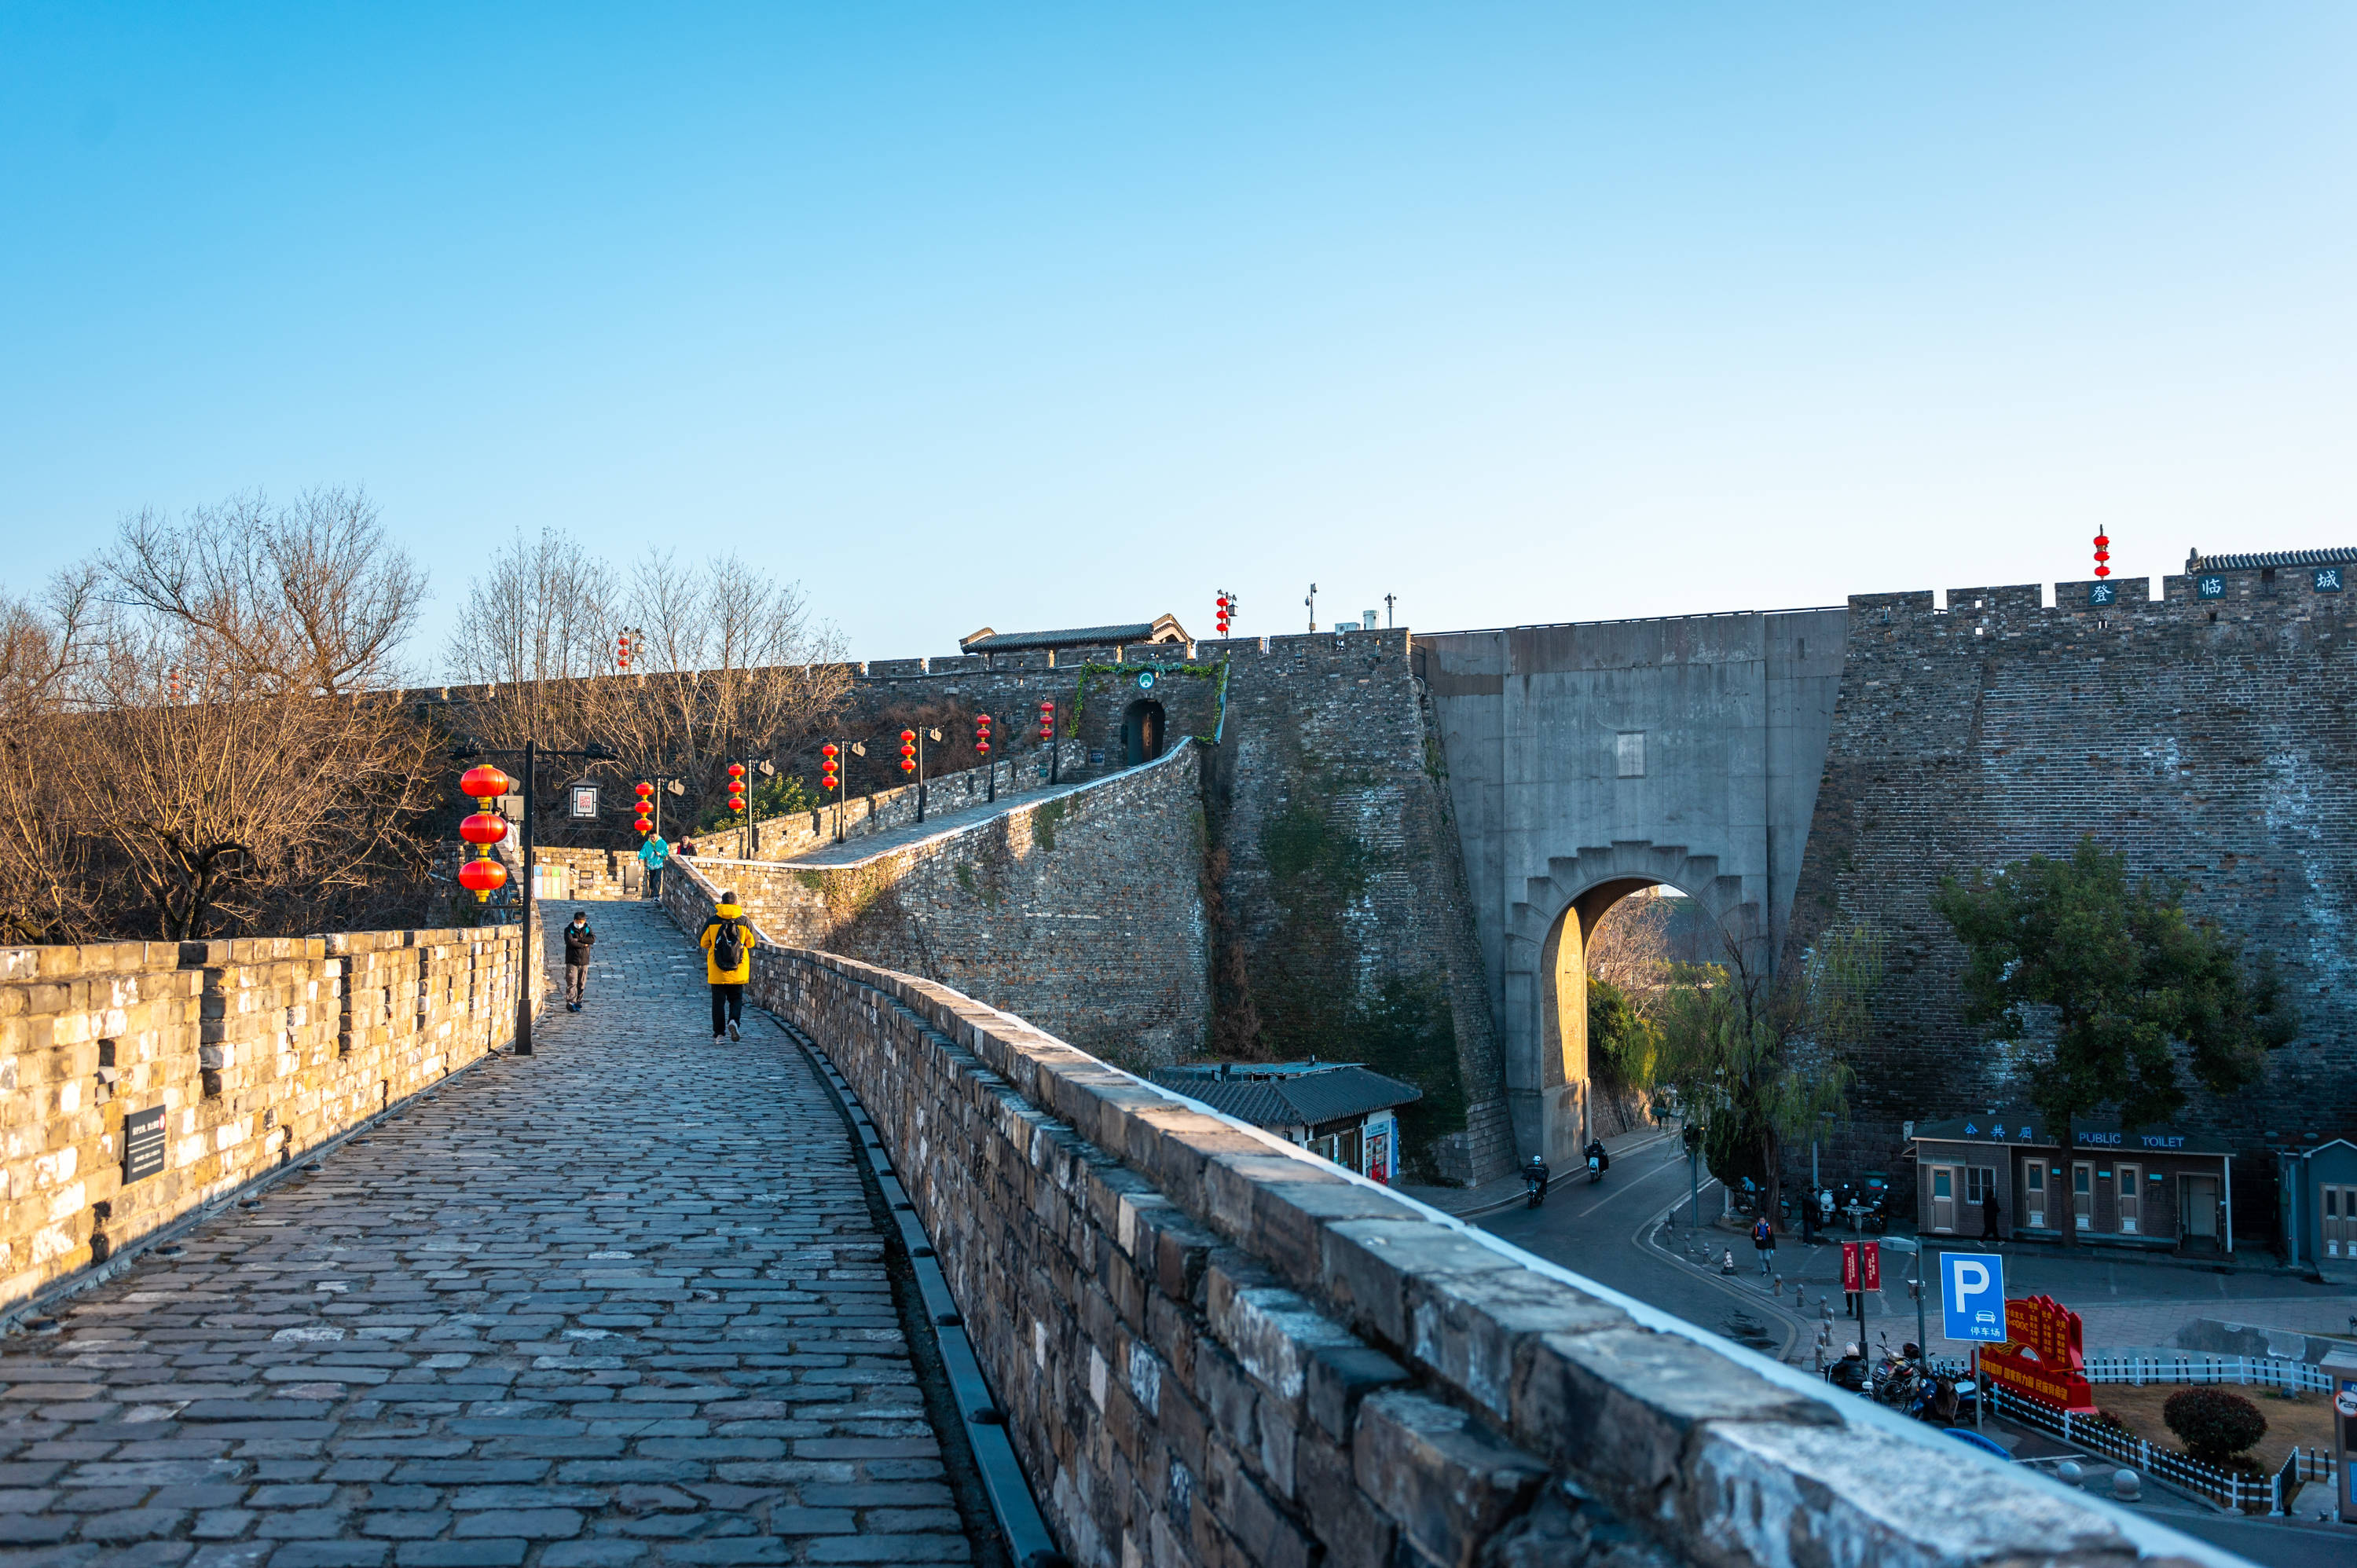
x: 619, y: 1302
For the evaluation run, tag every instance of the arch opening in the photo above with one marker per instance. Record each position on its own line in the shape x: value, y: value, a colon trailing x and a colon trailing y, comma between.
x: 1141, y: 732
x: 1563, y: 1008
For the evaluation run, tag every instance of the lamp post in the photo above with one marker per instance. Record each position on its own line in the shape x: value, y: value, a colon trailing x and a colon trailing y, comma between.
x: 531, y: 752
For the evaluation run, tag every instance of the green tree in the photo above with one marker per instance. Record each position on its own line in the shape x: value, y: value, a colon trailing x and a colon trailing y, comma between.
x: 1757, y: 1058
x: 2133, y: 993
x: 1622, y: 1045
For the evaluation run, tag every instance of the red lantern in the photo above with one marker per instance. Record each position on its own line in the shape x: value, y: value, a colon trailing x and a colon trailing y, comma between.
x: 483, y: 781
x: 481, y: 876
x: 645, y: 790
x: 1222, y: 618
x: 483, y: 827
x: 2103, y: 554
x: 736, y: 771
x: 982, y: 735
x: 1047, y: 721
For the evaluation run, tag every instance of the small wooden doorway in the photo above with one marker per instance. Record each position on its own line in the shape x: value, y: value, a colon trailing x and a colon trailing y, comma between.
x: 2083, y: 1195
x: 2197, y: 1203
x: 2131, y: 1199
x: 1141, y: 732
x: 2336, y: 1208
x: 1943, y: 1197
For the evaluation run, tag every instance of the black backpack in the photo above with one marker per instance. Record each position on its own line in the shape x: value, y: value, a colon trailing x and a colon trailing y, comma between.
x: 728, y: 945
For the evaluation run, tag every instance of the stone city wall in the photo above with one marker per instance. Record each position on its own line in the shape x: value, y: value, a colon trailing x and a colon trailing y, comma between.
x: 2209, y: 741
x: 256, y: 1051
x: 1208, y: 1347
x: 1083, y: 906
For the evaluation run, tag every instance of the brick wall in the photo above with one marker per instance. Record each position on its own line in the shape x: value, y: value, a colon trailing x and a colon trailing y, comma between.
x: 256, y: 1049
x: 2207, y: 740
x: 1208, y: 1347
x: 1085, y: 908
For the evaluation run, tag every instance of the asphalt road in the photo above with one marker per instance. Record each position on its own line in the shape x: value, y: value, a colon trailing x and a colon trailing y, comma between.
x: 1600, y: 1230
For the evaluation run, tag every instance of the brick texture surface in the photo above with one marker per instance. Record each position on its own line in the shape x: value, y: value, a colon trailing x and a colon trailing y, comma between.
x: 255, y: 1050
x: 2207, y: 740
x: 1210, y: 1348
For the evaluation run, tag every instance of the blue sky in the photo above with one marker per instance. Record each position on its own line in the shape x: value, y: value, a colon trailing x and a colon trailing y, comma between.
x: 1038, y: 315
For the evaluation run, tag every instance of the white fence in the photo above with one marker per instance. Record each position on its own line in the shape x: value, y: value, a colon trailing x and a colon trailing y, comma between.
x: 2224, y: 1488
x: 2141, y: 1367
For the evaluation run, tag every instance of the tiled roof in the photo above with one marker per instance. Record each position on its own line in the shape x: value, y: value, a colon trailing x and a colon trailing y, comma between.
x: 2346, y: 555
x: 1326, y: 1095
x: 987, y: 642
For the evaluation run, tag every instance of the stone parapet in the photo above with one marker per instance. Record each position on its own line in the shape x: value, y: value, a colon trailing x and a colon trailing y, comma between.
x: 1210, y: 1347
x: 254, y: 1049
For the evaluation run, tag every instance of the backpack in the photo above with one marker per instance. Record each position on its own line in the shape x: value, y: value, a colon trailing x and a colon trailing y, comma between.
x: 728, y: 945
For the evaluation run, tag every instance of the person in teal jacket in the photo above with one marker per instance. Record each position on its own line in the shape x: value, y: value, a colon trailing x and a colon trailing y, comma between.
x: 652, y: 855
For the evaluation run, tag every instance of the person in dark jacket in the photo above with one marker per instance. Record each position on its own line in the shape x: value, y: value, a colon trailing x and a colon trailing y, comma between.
x: 578, y: 940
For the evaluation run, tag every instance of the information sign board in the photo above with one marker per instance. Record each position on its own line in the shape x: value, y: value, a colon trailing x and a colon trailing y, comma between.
x: 142, y: 1144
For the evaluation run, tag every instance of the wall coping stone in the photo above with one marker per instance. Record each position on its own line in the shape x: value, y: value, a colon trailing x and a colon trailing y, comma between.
x: 1519, y: 1367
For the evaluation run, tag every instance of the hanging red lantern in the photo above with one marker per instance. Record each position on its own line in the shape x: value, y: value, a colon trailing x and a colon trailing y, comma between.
x: 982, y: 735
x: 645, y: 789
x: 2103, y: 554
x: 1047, y: 721
x: 481, y: 877
x: 483, y: 827
x: 483, y: 781
x: 1221, y: 616
x: 736, y: 771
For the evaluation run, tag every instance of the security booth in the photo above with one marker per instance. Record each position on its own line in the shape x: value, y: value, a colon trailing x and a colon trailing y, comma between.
x: 2318, y: 1200
x: 1340, y: 1111
x: 2160, y: 1187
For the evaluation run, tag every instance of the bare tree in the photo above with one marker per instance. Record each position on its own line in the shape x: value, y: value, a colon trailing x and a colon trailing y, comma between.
x: 733, y: 666
x: 43, y: 645
x: 310, y: 598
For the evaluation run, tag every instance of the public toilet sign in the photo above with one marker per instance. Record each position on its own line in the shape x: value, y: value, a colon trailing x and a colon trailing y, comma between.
x: 1972, y: 1296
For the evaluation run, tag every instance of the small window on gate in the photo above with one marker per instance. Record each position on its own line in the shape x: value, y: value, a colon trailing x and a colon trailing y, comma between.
x: 1630, y: 753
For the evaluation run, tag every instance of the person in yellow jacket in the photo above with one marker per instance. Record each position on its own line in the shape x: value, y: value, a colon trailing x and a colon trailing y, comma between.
x: 728, y: 942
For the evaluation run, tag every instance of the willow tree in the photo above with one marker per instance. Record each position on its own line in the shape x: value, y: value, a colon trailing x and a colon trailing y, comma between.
x: 1759, y: 1058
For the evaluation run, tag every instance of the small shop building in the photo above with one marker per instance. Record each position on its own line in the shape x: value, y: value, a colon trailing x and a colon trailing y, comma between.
x: 2319, y: 1198
x: 1340, y: 1111
x: 2162, y: 1187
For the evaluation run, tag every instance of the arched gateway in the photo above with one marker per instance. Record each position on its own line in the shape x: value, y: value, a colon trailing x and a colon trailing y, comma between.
x: 1588, y: 761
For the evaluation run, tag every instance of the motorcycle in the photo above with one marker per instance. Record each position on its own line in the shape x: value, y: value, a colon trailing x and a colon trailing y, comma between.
x: 1536, y: 1184
x: 1595, y: 1170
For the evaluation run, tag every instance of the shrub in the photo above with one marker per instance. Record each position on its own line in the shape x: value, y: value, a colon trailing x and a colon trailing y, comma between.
x: 2213, y: 1424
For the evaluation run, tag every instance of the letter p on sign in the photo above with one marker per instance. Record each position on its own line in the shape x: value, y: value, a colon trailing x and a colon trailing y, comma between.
x: 1972, y: 1296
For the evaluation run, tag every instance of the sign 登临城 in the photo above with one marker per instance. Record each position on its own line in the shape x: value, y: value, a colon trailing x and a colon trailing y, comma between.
x: 1972, y: 1296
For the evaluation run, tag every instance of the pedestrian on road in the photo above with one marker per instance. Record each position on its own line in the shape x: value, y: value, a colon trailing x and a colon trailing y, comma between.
x: 687, y: 847
x: 1763, y: 1236
x: 727, y: 943
x: 578, y: 940
x: 1989, y: 1215
x: 651, y: 855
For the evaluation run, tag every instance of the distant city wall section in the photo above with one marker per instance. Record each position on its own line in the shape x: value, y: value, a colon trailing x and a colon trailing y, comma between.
x: 1083, y: 905
x: 2206, y: 736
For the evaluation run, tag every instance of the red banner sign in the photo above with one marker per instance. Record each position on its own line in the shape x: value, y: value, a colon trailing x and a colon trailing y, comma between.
x: 2043, y: 1357
x: 1861, y: 1265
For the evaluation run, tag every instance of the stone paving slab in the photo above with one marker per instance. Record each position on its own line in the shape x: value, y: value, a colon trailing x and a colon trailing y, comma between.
x: 619, y: 1302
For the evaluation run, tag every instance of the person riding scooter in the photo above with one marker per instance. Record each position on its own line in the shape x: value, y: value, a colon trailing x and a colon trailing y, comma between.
x: 1535, y: 1177
x: 1595, y: 1151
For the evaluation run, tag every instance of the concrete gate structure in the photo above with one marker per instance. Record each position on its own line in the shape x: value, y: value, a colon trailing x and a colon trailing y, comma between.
x: 1587, y: 761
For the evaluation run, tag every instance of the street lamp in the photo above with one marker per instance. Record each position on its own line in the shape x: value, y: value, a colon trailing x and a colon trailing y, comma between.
x: 531, y: 752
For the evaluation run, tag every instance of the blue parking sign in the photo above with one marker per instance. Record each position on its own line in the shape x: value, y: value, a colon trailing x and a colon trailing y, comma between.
x: 1972, y: 1296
